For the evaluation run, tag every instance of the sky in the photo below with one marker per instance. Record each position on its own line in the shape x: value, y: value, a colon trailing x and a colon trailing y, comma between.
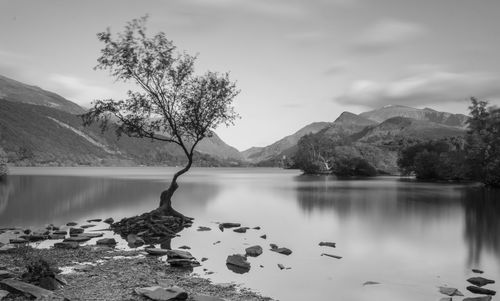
x: 295, y: 62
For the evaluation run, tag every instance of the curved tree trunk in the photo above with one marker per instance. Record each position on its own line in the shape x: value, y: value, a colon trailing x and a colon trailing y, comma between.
x: 166, y: 196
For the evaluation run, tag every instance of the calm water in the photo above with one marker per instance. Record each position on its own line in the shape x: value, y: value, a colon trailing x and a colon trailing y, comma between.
x: 411, y: 237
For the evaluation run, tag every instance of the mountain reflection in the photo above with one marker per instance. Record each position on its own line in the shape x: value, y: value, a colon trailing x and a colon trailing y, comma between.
x: 482, y: 222
x: 37, y: 200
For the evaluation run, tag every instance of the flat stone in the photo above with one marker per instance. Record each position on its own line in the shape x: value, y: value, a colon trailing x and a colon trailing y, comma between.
x: 203, y: 259
x: 71, y: 224
x: 237, y: 263
x: 26, y: 288
x: 450, y: 291
x: 162, y: 294
x: 184, y: 263
x: 18, y: 241
x: 156, y: 251
x: 67, y: 245
x: 223, y: 226
x: 284, y: 251
x: 327, y: 244
x: 241, y: 230
x: 106, y: 241
x: 87, y: 226
x: 34, y: 237
x: 59, y: 232
x: 185, y: 247
x: 6, y: 274
x: 482, y: 298
x: 75, y: 231
x: 77, y: 239
x: 370, y: 283
x: 477, y: 271
x: 202, y: 228
x: 480, y: 281
x: 253, y: 251
x: 55, y: 236
x: 179, y: 254
x: 446, y: 299
x: 109, y: 220
x: 90, y: 235
x: 94, y: 220
x: 331, y: 255
x: 480, y: 290
x: 206, y: 298
x: 256, y: 228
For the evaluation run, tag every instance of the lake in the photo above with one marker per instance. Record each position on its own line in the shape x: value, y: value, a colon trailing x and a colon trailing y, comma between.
x: 409, y: 236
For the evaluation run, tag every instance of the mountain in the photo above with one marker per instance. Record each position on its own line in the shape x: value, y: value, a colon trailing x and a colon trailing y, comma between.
x: 348, y: 123
x: 257, y: 154
x: 40, y: 127
x: 15, y: 91
x: 387, y: 112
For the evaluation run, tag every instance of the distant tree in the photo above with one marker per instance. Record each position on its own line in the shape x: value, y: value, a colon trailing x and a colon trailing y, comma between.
x: 174, y: 104
x: 3, y: 163
x: 313, y: 154
x: 483, y: 142
x: 349, y: 166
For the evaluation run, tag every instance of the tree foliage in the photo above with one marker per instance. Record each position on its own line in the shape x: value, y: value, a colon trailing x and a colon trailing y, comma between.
x: 3, y: 163
x: 173, y: 104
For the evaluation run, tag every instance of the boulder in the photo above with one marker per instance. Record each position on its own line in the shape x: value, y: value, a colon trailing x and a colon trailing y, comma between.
x: 162, y: 294
x: 26, y: 288
x: 480, y: 290
x: 67, y: 245
x: 480, y: 281
x: 134, y: 241
x: 237, y: 263
x: 450, y: 291
x: 106, y: 242
x: 253, y: 251
x: 327, y: 244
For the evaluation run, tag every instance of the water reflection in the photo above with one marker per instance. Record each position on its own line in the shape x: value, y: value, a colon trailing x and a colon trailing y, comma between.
x: 482, y: 222
x: 37, y: 200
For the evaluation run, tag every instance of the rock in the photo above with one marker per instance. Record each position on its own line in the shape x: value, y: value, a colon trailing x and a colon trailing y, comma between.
x: 18, y: 241
x: 370, y: 283
x: 75, y: 231
x: 61, y: 279
x: 134, y: 241
x: 55, y: 236
x: 217, y: 242
x: 34, y: 237
x: 273, y: 246
x: 3, y: 294
x: 7, y: 248
x: 204, y: 259
x: 71, y: 224
x: 26, y: 288
x: 480, y: 281
x: 185, y: 247
x: 480, y: 290
x: 94, y: 220
x: 27, y: 231
x: 49, y: 283
x: 90, y: 235
x: 223, y: 226
x: 156, y: 251
x: 256, y: 228
x: 446, y: 299
x: 67, y: 245
x: 106, y: 242
x: 87, y: 226
x: 449, y: 291
x: 206, y: 298
x: 284, y: 251
x: 179, y: 254
x: 331, y: 255
x: 253, y: 251
x: 482, y: 298
x: 109, y: 220
x: 202, y: 228
x: 77, y: 239
x: 59, y: 232
x: 263, y: 236
x: 6, y: 274
x: 241, y: 230
x: 237, y: 263
x: 162, y: 294
x: 327, y: 244
x: 282, y: 267
x: 179, y: 258
x: 477, y: 271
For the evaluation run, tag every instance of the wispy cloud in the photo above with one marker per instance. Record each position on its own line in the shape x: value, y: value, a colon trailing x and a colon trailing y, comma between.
x: 386, y: 34
x: 425, y: 88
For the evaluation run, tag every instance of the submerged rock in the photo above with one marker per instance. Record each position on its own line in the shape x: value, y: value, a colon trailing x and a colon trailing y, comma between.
x: 282, y: 267
x: 162, y: 294
x: 327, y: 244
x: 331, y: 255
x: 87, y: 226
x: 94, y: 220
x: 241, y: 230
x: 371, y: 283
x: 263, y: 236
x: 75, y: 231
x: 284, y: 251
x: 480, y: 281
x: 71, y: 224
x: 109, y: 220
x: 202, y: 228
x: 477, y: 271
x: 223, y: 226
x: 450, y: 291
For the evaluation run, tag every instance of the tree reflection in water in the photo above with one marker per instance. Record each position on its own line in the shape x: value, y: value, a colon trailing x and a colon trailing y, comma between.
x: 482, y: 222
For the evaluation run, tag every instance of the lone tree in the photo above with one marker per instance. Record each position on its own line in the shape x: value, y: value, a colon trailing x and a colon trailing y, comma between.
x: 174, y: 105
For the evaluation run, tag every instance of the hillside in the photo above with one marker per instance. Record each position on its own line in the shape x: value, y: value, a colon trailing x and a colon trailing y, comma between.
x: 258, y: 154
x: 387, y: 112
x: 15, y: 91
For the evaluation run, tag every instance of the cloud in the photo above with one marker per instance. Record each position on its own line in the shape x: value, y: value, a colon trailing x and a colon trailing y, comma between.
x: 77, y: 89
x: 336, y: 68
x: 387, y: 34
x: 428, y: 87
